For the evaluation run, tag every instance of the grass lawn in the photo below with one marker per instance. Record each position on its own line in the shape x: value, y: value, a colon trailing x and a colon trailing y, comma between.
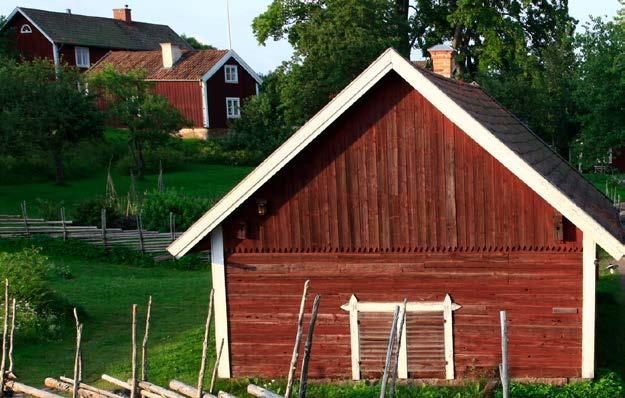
x: 199, y: 179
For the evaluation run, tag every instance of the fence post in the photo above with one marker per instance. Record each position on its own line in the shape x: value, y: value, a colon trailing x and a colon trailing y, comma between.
x: 63, y: 223
x: 140, y: 228
x: 172, y: 226
x: 25, y: 218
x: 103, y: 215
x: 503, y: 367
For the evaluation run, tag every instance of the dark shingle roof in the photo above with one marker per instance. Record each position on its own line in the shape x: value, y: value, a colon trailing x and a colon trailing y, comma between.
x: 192, y: 65
x: 86, y: 30
x: 534, y: 151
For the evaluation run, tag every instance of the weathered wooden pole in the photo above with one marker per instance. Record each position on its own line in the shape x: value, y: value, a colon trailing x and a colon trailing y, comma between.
x: 260, y: 392
x: 214, y: 376
x: 172, y: 226
x: 83, y: 386
x: 77, y: 367
x: 64, y: 225
x: 117, y: 382
x: 303, y: 383
x: 133, y: 384
x: 103, y: 221
x: 389, y: 351
x: 25, y: 218
x: 4, y: 338
x: 35, y: 392
x: 79, y: 353
x: 140, y: 228
x: 298, y: 338
x: 207, y: 327
x: 400, y: 333
x: 185, y: 389
x: 144, y: 346
x: 503, y: 367
x: 11, y: 335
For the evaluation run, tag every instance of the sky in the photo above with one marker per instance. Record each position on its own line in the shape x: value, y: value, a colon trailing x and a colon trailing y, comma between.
x: 206, y: 20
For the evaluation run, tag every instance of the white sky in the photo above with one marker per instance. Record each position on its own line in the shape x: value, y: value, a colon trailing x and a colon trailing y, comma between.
x: 206, y: 20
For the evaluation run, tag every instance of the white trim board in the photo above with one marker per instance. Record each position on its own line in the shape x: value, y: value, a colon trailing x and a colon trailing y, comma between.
x: 391, y: 60
x: 226, y: 58
x: 218, y: 271
x: 446, y: 307
x: 588, y: 307
x: 16, y: 10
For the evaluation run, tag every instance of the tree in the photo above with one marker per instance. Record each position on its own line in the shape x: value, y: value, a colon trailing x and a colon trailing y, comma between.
x: 149, y: 117
x: 620, y: 13
x: 195, y: 43
x: 7, y: 41
x: 601, y: 89
x: 45, y: 108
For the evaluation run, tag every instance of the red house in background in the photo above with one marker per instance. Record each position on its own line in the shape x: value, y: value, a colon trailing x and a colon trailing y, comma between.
x: 206, y: 86
x: 410, y: 185
x: 82, y: 40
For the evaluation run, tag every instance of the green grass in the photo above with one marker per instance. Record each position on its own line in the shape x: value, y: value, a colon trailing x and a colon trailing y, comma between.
x: 199, y: 179
x: 614, y: 183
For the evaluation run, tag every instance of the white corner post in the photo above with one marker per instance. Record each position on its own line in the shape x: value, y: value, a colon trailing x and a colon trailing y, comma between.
x: 56, y: 57
x: 449, y: 337
x: 205, y: 103
x: 588, y: 306
x: 402, y: 365
x: 218, y: 270
x: 355, y: 336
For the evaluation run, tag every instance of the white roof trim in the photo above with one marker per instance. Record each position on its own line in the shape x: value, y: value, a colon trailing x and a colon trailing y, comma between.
x: 16, y: 10
x: 222, y: 62
x: 391, y: 60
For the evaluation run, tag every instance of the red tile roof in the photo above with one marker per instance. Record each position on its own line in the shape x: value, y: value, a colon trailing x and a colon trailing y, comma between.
x: 192, y: 65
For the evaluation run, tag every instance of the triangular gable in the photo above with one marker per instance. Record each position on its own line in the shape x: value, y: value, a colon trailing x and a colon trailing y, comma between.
x: 391, y: 60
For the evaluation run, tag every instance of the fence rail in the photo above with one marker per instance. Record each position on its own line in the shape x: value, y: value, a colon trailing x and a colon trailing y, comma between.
x: 13, y: 226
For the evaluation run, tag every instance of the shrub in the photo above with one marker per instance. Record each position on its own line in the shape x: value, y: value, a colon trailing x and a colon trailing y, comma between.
x: 187, y: 209
x: 89, y: 212
x: 607, y: 386
x: 48, y: 209
x: 42, y: 310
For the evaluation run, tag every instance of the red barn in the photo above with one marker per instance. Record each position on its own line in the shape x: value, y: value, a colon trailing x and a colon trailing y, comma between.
x: 81, y: 40
x: 410, y: 185
x: 206, y: 86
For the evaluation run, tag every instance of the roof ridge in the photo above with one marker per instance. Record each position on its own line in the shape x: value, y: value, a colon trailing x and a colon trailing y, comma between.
x: 90, y: 16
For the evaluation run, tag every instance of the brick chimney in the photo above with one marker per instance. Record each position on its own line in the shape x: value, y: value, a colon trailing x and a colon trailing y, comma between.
x: 442, y: 59
x: 171, y: 54
x: 122, y: 14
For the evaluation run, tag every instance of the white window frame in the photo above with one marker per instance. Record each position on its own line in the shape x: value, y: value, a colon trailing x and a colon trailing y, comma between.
x: 446, y: 307
x: 26, y: 29
x: 82, y: 64
x: 231, y: 73
x: 234, y: 115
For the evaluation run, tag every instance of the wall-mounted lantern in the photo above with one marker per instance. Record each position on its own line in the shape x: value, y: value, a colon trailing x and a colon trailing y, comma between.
x: 242, y: 230
x: 262, y: 206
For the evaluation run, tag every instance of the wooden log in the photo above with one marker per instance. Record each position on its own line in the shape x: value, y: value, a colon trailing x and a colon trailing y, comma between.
x: 187, y: 390
x: 307, y: 348
x: 298, y: 338
x: 148, y: 394
x: 79, y: 353
x: 80, y: 391
x: 207, y: 326
x: 260, y: 392
x: 5, y: 328
x: 101, y: 392
x: 77, y: 367
x: 133, y: 380
x: 400, y: 332
x: 28, y: 390
x: 11, y: 335
x: 389, y: 350
x: 117, y: 382
x: 162, y: 391
x: 223, y: 394
x: 144, y: 346
x: 214, y: 376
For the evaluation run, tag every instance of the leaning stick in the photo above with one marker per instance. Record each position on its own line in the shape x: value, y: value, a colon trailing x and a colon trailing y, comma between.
x: 307, y: 347
x: 4, y: 337
x: 84, y: 386
x: 214, y: 376
x: 400, y: 332
x: 77, y: 363
x: 298, y: 338
x: 117, y: 382
x: 185, y: 389
x: 158, y: 390
x: 80, y: 358
x: 11, y: 335
x: 83, y: 391
x: 389, y: 350
x: 260, y: 392
x: 144, y: 346
x: 200, y: 377
x: 133, y: 391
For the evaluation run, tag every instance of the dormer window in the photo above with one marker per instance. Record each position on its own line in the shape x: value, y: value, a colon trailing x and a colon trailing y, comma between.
x: 232, y: 74
x: 26, y: 29
x: 82, y: 57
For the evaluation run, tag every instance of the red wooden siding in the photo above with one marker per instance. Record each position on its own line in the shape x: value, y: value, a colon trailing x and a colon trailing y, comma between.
x: 218, y: 90
x: 68, y: 54
x: 186, y: 96
x: 264, y: 290
x: 30, y: 45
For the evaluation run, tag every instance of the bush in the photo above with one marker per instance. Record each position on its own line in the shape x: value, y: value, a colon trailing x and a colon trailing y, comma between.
x: 48, y: 209
x: 89, y: 212
x: 607, y: 386
x: 41, y: 309
x: 187, y: 209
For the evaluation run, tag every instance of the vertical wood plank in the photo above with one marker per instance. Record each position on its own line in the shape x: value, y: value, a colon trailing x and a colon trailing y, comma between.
x: 218, y: 271
x: 588, y: 307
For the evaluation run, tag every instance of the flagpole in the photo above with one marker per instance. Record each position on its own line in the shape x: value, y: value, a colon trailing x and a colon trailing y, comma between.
x: 228, y: 19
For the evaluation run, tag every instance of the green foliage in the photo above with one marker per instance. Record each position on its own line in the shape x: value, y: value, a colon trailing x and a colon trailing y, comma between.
x: 150, y: 119
x: 89, y: 212
x: 608, y: 386
x: 41, y: 310
x: 187, y: 209
x: 600, y: 90
x: 620, y: 13
x: 7, y: 42
x: 195, y: 43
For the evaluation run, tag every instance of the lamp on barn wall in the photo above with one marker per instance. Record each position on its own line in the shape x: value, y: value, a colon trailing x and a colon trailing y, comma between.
x: 242, y: 230
x: 262, y: 206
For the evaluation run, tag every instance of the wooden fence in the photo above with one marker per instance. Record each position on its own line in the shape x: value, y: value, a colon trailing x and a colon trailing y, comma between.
x: 13, y: 226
